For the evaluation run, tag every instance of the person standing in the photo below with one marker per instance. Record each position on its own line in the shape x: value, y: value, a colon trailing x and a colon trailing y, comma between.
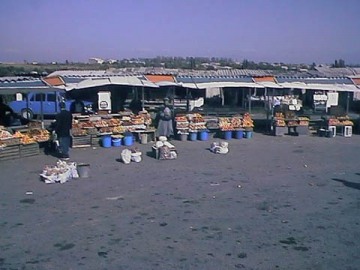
x: 165, y: 125
x: 62, y: 127
x: 5, y: 113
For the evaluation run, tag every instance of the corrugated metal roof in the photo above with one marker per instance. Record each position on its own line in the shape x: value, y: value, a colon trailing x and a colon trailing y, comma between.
x: 335, y: 72
x: 206, y: 79
x: 115, y: 80
x: 24, y: 84
x: 282, y: 79
x: 16, y: 78
x: 222, y: 84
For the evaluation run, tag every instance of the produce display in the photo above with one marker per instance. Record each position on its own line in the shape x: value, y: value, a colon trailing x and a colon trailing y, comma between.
x: 225, y: 124
x: 190, y: 123
x: 281, y: 121
x: 340, y: 121
x: 196, y: 122
x: 4, y: 134
x: 129, y: 122
x: 60, y: 173
x: 278, y: 122
x: 303, y: 121
x: 247, y: 122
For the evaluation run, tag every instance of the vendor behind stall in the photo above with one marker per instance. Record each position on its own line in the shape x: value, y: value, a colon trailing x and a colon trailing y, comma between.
x: 62, y: 127
x: 6, y: 113
x: 165, y: 125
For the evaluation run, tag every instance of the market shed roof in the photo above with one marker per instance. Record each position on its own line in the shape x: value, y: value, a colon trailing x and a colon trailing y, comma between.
x: 205, y: 85
x: 356, y: 80
x: 54, y: 80
x: 118, y: 80
x: 336, y: 72
x: 160, y: 78
x: 207, y: 79
x: 7, y: 88
x: 341, y: 80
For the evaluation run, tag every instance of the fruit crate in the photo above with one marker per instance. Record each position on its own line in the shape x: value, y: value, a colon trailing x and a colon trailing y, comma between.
x: 31, y: 149
x: 10, y: 141
x: 81, y: 141
x: 10, y: 152
x: 95, y: 140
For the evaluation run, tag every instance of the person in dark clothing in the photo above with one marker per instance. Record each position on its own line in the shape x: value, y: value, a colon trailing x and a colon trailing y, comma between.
x: 62, y: 128
x: 165, y: 124
x: 6, y: 113
x: 77, y: 106
x: 135, y: 106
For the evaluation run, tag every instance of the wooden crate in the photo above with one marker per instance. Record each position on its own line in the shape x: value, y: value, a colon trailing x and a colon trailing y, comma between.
x: 95, y: 140
x: 10, y: 152
x: 31, y: 149
x: 10, y: 141
x: 81, y: 141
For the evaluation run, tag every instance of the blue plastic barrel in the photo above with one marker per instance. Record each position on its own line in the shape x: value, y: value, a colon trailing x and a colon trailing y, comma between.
x: 227, y: 135
x: 203, y: 135
x: 106, y: 141
x: 128, y: 140
x: 116, y: 142
x: 192, y: 136
x: 248, y: 134
x: 238, y: 134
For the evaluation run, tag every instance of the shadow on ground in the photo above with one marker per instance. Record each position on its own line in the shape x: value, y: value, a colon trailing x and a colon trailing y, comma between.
x: 348, y: 183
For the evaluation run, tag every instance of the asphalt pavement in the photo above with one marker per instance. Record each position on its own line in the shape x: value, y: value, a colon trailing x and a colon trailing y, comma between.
x: 270, y: 203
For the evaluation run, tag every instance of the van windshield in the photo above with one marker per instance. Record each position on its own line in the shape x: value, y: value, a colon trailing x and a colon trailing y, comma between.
x: 61, y: 97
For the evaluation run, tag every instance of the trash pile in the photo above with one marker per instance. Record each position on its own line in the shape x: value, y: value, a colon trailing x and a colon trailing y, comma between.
x: 128, y: 155
x: 219, y: 147
x: 60, y: 173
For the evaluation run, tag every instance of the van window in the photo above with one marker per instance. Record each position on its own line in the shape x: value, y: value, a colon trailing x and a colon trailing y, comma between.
x: 40, y: 97
x: 51, y: 97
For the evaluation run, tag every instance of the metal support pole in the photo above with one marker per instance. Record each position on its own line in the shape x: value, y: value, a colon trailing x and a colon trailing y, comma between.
x: 267, y: 111
x: 142, y: 98
x: 249, y: 100
x: 42, y: 110
x: 187, y: 100
x: 347, y: 103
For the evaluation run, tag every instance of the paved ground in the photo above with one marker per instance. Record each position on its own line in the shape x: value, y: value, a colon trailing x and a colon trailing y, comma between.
x: 271, y: 203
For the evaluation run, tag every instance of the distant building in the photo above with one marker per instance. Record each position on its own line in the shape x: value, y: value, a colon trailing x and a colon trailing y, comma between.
x: 95, y: 60
x: 111, y: 61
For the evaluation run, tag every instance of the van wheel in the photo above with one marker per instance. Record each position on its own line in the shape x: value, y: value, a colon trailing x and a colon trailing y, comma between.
x: 27, y: 114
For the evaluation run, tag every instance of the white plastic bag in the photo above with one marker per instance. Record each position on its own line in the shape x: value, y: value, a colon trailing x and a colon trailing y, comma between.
x: 126, y: 156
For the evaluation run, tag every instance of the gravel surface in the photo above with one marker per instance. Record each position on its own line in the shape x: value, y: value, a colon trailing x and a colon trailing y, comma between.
x: 270, y: 203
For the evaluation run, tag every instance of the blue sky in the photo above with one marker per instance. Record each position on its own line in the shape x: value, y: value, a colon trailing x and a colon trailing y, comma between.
x: 290, y: 31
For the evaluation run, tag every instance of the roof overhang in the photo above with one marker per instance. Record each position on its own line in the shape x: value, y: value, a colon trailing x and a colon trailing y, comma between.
x: 222, y: 85
x: 116, y: 80
x: 14, y: 90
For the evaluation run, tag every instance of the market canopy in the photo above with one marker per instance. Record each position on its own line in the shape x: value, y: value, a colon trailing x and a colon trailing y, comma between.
x: 295, y: 85
x: 222, y: 85
x: 332, y: 87
x: 25, y: 85
x: 118, y: 80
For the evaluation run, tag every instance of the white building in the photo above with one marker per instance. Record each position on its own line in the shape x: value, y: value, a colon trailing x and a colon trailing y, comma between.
x: 95, y: 60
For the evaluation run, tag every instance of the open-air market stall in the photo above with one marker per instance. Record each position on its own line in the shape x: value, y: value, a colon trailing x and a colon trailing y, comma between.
x: 336, y: 125
x: 236, y: 91
x: 113, y: 129
x: 320, y: 94
x: 195, y: 126
x: 22, y: 144
x: 289, y: 123
x: 121, y: 89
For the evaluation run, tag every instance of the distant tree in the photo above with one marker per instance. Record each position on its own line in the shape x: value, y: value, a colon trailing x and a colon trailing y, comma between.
x: 339, y: 63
